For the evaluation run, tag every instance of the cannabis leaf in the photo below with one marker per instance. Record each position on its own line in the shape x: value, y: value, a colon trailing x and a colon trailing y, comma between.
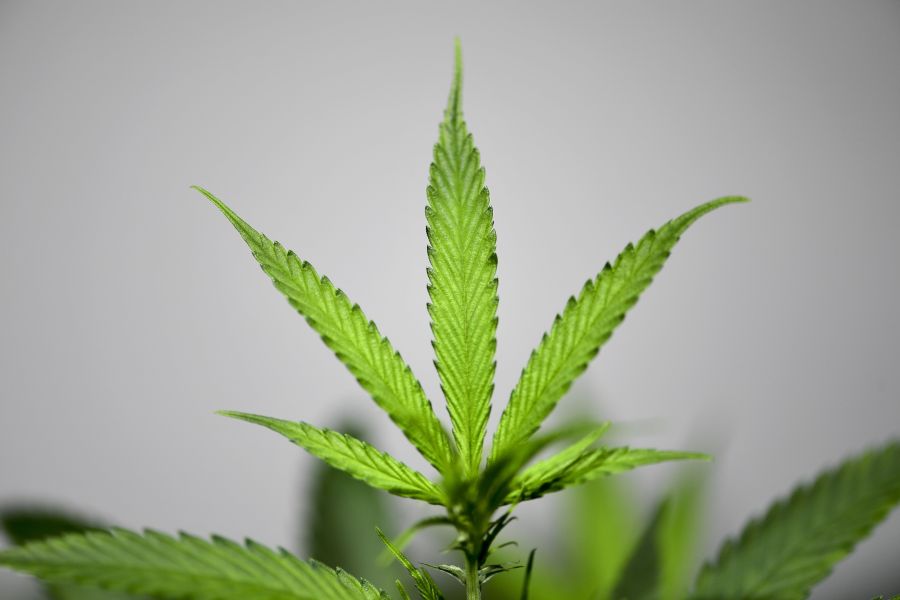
x: 549, y: 476
x: 660, y: 565
x: 425, y: 585
x: 680, y: 530
x: 640, y: 579
x: 26, y: 524
x: 354, y: 457
x: 354, y: 339
x: 336, y: 528
x: 184, y: 568
x: 462, y: 278
x: 585, y: 325
x: 798, y: 541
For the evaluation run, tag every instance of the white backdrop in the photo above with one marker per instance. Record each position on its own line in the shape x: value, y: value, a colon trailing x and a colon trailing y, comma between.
x: 131, y: 310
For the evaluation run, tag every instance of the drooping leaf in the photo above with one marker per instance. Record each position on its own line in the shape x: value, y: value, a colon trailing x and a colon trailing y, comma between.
x: 462, y: 278
x: 585, y: 325
x: 338, y: 528
x: 353, y: 456
x: 426, y: 586
x: 355, y: 340
x: 797, y: 543
x: 184, y: 568
x: 25, y: 524
x: 591, y: 465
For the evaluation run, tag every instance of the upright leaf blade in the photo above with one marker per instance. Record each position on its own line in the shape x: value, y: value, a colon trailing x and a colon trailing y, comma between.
x: 801, y: 537
x: 584, y: 326
x: 462, y: 278
x: 353, y: 456
x: 184, y: 568
x: 355, y: 340
x: 680, y: 532
x: 640, y: 578
x: 602, y: 527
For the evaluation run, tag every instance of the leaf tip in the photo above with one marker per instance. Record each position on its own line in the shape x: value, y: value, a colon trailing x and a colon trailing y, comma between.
x: 454, y: 102
x: 240, y: 416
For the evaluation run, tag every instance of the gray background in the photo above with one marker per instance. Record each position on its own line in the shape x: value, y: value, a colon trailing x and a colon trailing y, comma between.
x: 131, y: 310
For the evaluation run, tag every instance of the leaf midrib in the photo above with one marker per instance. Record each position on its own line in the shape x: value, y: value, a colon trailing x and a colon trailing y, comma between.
x: 805, y: 541
x: 219, y: 579
x: 577, y: 345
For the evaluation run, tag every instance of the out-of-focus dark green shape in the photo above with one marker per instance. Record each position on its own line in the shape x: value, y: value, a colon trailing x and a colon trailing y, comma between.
x: 608, y: 555
x: 602, y: 525
x: 640, y: 579
x: 663, y: 563
x: 22, y: 524
x: 339, y: 529
x: 681, y: 530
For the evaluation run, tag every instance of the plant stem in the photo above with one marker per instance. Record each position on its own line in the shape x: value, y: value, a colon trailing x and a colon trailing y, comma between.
x: 473, y: 584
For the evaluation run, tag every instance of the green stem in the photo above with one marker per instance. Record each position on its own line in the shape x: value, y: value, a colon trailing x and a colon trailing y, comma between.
x: 473, y: 584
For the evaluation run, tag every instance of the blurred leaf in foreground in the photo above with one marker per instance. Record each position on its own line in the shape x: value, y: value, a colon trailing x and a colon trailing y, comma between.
x: 340, y: 526
x: 22, y: 524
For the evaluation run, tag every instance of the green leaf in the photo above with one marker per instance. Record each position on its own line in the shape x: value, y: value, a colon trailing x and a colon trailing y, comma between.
x: 353, y: 456
x: 426, y: 586
x: 640, y: 579
x: 401, y: 541
x: 661, y: 564
x: 591, y: 465
x: 338, y: 528
x: 526, y: 581
x: 680, y: 531
x: 601, y: 530
x: 462, y: 278
x: 355, y: 340
x: 557, y: 465
x: 584, y: 326
x: 801, y: 537
x: 184, y: 568
x: 24, y: 524
x: 495, y: 484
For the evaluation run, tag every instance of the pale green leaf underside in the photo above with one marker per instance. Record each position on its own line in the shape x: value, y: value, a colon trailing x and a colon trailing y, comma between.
x: 353, y: 456
x: 462, y: 279
x: 585, y: 325
x: 782, y: 555
x: 538, y: 480
x: 183, y: 568
x: 355, y: 340
x: 555, y: 466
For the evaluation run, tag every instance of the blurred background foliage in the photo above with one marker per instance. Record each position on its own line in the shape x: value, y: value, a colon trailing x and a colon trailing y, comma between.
x: 611, y: 542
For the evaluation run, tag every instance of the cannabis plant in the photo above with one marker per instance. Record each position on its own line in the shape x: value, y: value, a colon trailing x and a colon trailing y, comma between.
x: 475, y: 491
